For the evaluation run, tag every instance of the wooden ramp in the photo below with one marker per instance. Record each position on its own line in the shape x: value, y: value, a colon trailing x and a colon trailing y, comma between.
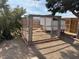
x: 39, y: 34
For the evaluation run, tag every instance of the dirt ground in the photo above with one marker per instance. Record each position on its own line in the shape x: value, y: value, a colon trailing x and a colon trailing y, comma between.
x: 13, y: 49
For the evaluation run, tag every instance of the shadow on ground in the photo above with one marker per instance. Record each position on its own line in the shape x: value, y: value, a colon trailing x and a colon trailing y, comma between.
x: 37, y: 53
x: 45, y: 51
x: 70, y: 54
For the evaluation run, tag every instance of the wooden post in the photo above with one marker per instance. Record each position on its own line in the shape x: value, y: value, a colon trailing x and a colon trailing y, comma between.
x: 30, y: 29
x: 45, y: 24
x: 77, y: 31
x: 59, y: 26
x: 52, y: 27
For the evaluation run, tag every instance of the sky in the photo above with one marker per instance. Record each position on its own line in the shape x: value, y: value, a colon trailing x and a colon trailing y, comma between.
x: 36, y: 7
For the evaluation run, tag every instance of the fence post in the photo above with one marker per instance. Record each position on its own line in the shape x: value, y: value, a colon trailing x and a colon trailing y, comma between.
x: 30, y: 20
x: 52, y: 27
x: 59, y: 26
x: 77, y: 31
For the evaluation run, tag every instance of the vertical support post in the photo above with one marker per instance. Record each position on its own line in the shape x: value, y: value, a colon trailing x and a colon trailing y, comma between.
x: 52, y: 27
x: 77, y: 31
x: 30, y: 21
x: 45, y: 24
x: 59, y: 26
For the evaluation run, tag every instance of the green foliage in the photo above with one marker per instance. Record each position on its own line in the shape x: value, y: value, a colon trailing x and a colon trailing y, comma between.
x: 10, y: 22
x: 64, y: 5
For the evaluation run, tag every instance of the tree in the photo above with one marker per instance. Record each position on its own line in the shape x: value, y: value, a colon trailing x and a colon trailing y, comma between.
x: 10, y: 21
x: 63, y: 6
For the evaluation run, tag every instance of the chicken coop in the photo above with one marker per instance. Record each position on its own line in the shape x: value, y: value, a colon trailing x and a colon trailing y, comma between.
x: 42, y: 27
x: 45, y: 27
